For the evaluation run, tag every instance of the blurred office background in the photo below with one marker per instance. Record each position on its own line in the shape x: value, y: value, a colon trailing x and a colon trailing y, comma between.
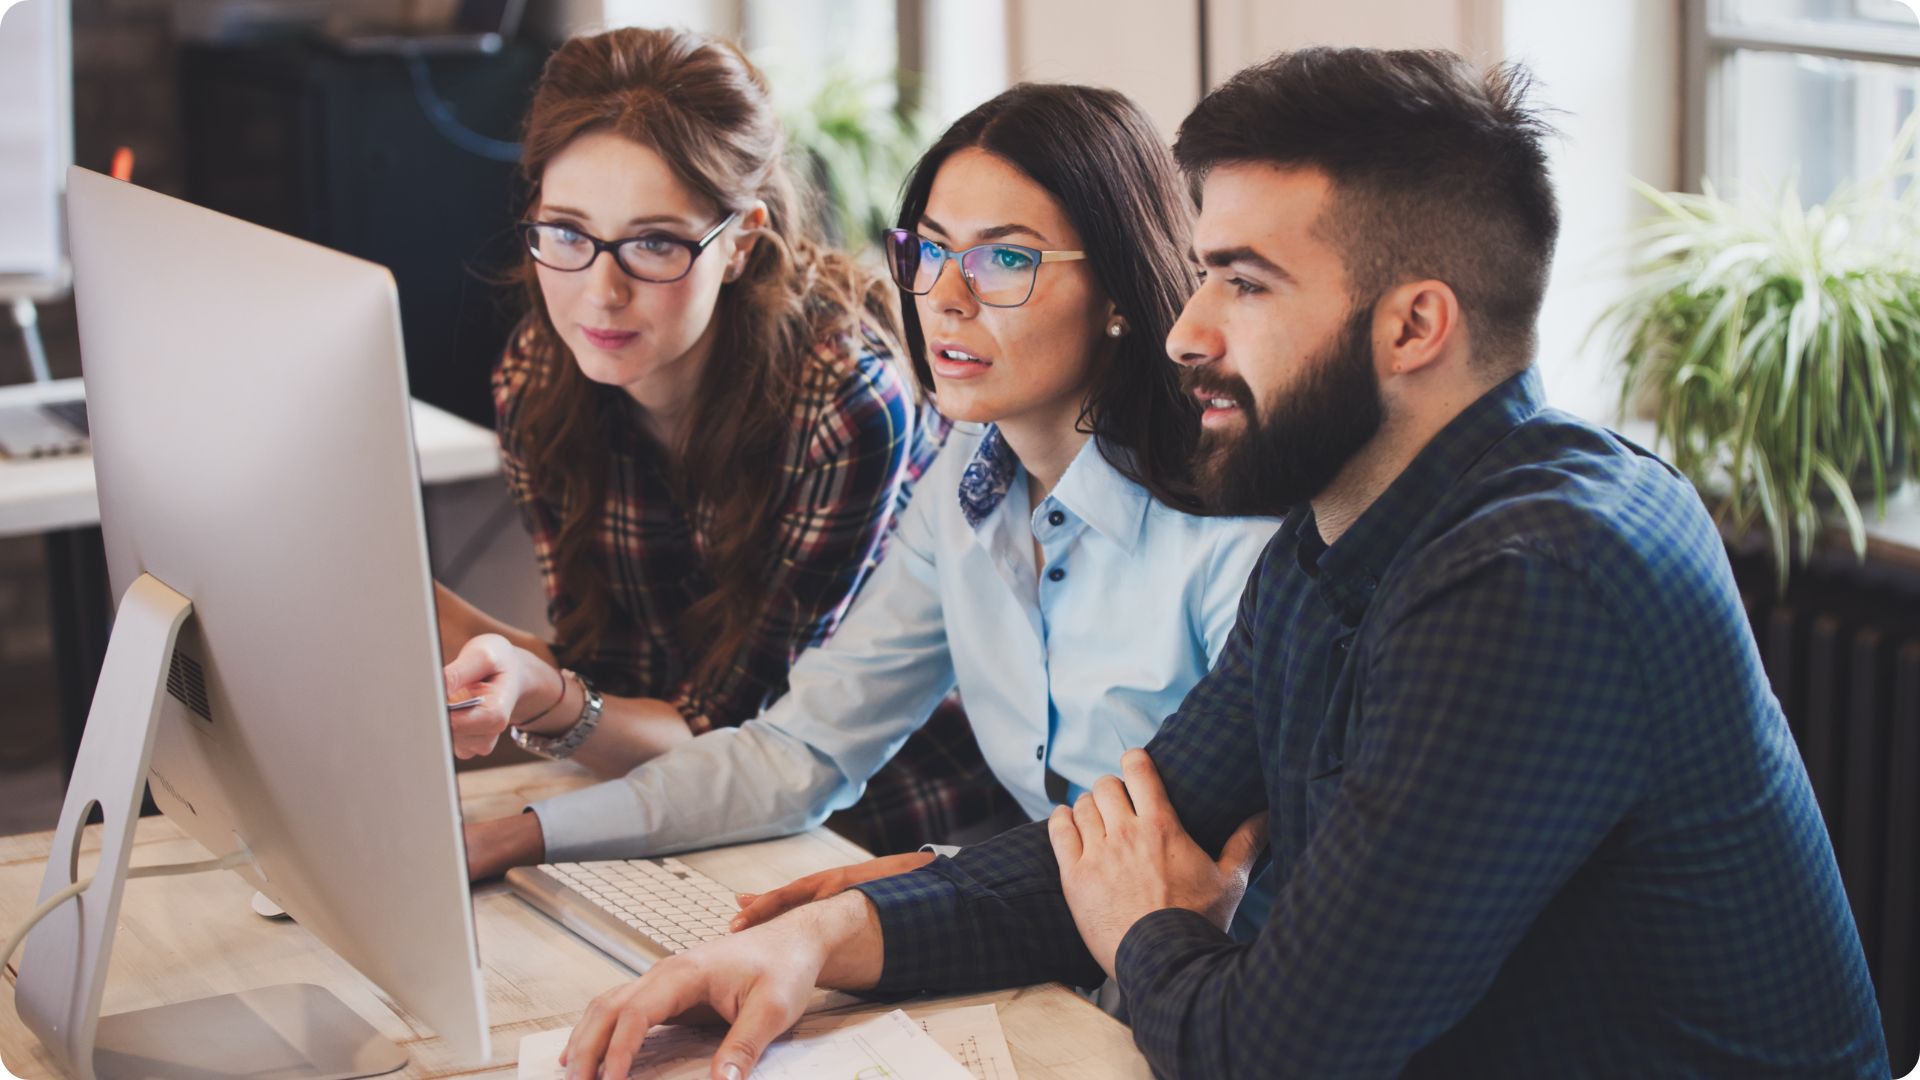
x: 243, y: 106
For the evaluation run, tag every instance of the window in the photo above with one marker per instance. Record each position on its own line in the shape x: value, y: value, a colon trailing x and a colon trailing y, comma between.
x: 1812, y: 91
x: 885, y: 46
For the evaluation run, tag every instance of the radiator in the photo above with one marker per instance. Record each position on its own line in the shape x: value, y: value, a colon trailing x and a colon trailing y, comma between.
x: 1842, y: 647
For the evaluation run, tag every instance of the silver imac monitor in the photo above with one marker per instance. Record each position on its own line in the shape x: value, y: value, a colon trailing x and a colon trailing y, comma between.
x: 274, y: 648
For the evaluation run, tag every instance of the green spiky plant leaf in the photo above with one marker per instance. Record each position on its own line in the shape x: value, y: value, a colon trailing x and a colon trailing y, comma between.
x: 857, y: 147
x: 1782, y: 346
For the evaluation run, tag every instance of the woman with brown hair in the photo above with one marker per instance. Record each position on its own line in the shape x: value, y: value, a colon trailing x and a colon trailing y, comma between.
x: 1055, y: 566
x: 701, y: 416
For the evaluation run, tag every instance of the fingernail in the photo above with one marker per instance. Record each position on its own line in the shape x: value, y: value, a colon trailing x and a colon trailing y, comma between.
x: 732, y: 1071
x: 737, y: 923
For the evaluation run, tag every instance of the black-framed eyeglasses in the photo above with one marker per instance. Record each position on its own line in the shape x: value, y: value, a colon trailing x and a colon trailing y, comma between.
x: 998, y: 275
x: 654, y: 257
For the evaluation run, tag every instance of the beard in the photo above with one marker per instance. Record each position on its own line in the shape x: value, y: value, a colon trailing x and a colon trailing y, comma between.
x: 1293, y: 446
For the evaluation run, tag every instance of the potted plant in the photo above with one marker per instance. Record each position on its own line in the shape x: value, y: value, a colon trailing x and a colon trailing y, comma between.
x: 857, y: 147
x: 1778, y: 348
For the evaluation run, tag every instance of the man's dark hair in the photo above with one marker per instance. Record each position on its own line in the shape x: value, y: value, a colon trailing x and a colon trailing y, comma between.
x: 1437, y: 172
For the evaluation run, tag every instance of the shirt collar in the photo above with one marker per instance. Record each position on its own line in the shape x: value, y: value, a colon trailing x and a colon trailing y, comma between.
x: 1102, y: 496
x: 1352, y: 567
x: 1091, y: 488
x: 984, y: 484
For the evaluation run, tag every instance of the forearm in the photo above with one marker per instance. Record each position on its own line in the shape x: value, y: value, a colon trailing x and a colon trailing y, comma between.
x: 849, y: 928
x: 993, y: 917
x: 727, y: 786
x: 461, y: 622
x: 631, y: 731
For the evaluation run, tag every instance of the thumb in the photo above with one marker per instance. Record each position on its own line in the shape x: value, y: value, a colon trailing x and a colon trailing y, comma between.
x: 1244, y: 846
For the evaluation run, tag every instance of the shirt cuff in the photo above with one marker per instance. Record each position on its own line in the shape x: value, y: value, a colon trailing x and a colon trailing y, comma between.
x: 598, y: 822
x: 1159, y: 944
x: 918, y: 914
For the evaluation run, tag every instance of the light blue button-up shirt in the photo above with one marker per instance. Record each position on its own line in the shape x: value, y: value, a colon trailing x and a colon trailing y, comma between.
x: 1063, y: 665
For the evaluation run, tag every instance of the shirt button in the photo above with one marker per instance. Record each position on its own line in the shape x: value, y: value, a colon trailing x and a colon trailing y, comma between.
x: 1056, y: 519
x: 1040, y: 752
x: 1056, y: 574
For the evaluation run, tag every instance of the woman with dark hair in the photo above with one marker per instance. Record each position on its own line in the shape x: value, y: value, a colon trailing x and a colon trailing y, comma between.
x: 1052, y: 565
x: 703, y: 416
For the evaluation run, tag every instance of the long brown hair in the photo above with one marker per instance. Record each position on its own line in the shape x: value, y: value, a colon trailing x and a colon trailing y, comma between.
x: 699, y: 104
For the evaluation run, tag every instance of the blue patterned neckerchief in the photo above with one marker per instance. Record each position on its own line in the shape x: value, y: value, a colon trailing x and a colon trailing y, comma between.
x: 988, y: 477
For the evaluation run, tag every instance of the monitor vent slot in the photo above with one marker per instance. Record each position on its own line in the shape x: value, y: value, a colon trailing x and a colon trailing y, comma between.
x: 188, y: 684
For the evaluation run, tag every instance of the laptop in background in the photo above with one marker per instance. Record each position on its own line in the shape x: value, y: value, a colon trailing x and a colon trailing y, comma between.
x: 44, y: 429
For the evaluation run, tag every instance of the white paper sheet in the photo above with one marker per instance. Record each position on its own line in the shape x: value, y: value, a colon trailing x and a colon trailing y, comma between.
x: 890, y: 1046
x: 973, y: 1037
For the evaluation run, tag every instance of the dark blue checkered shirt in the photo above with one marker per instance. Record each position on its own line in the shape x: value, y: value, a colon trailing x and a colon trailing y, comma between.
x: 1534, y: 809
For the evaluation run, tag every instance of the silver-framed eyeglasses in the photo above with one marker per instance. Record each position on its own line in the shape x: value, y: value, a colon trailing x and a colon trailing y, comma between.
x: 655, y: 257
x: 998, y: 275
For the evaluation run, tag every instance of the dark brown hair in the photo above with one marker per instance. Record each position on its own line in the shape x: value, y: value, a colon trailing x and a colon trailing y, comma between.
x: 1437, y: 171
x: 703, y: 107
x: 1100, y: 158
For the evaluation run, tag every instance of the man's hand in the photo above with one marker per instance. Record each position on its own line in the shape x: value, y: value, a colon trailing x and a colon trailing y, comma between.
x: 758, y: 981
x: 757, y: 908
x: 1123, y: 855
x: 495, y: 847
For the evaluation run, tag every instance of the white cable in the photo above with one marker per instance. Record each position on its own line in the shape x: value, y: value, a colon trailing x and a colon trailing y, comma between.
x: 225, y: 862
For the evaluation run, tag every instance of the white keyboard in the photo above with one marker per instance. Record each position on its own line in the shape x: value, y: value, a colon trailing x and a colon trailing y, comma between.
x: 640, y: 911
x: 636, y: 910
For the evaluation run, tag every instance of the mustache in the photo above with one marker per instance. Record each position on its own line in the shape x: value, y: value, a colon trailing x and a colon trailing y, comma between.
x: 1198, y: 381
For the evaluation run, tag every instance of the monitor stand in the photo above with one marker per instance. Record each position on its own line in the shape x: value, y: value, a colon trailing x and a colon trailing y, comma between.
x: 288, y: 1032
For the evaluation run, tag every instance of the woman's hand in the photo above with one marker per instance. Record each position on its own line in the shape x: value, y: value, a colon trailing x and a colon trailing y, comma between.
x: 756, y: 908
x: 509, y: 681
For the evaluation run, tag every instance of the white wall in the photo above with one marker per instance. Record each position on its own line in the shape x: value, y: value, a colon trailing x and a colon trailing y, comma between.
x: 1148, y: 49
x: 1242, y: 32
x: 1614, y: 74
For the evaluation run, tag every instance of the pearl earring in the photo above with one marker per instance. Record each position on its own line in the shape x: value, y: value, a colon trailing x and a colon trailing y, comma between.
x: 1115, y: 329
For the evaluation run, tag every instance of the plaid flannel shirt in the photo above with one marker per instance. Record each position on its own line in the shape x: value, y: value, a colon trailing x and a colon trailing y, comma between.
x: 857, y: 446
x: 1534, y: 809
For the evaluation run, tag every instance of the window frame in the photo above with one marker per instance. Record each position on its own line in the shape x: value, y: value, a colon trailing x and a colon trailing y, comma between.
x: 1711, y: 36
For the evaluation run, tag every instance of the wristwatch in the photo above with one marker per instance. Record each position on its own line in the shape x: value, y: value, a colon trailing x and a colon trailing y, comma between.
x: 560, y: 747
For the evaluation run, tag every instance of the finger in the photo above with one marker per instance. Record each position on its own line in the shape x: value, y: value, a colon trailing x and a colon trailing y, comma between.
x: 475, y: 664
x: 1065, y: 836
x: 762, y: 1019
x: 1086, y: 817
x: 1144, y: 787
x: 628, y: 1034
x: 1244, y: 846
x: 473, y: 746
x: 742, y: 899
x: 597, y: 1014
x: 662, y: 992
x: 484, y: 720
x: 1116, y: 810
x: 780, y: 901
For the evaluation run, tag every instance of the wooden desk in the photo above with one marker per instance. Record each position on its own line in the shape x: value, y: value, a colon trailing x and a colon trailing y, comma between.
x: 188, y: 937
